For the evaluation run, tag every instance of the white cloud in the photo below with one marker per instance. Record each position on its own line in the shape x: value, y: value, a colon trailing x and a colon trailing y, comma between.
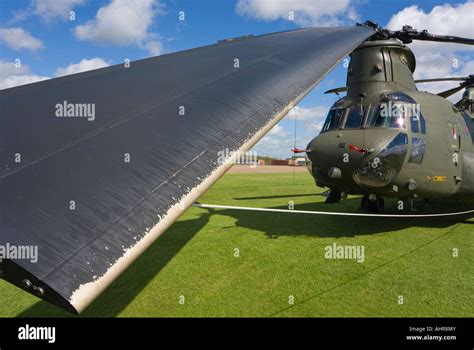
x: 154, y: 47
x: 432, y: 62
x: 18, y: 39
x: 52, y: 9
x: 434, y: 59
x: 82, y: 66
x: 17, y: 80
x: 315, y: 126
x: 445, y: 19
x: 432, y: 71
x: 311, y: 113
x: 280, y: 140
x: 313, y: 118
x: 123, y: 22
x: 277, y: 130
x: 12, y: 75
x: 306, y: 12
x: 274, y: 147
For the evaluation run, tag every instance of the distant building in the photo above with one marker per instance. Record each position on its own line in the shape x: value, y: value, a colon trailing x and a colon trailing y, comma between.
x: 301, y: 161
x: 278, y: 162
x: 297, y: 161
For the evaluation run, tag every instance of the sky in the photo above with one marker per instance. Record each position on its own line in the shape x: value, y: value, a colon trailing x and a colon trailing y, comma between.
x: 42, y: 39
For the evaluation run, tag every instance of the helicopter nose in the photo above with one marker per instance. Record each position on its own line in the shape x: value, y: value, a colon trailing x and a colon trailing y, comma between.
x: 330, y: 163
x: 384, y: 165
x: 337, y: 164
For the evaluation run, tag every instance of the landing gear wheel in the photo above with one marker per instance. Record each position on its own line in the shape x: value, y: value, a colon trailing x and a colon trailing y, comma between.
x: 375, y: 207
x: 364, y: 204
x: 334, y: 197
x: 380, y: 203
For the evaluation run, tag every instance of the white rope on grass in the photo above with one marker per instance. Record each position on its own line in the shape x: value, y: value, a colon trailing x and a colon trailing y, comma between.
x: 215, y: 206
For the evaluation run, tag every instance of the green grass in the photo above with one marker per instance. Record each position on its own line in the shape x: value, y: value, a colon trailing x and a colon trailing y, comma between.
x: 283, y: 255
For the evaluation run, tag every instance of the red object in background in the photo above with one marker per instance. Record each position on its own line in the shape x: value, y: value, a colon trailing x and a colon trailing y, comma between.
x: 298, y: 150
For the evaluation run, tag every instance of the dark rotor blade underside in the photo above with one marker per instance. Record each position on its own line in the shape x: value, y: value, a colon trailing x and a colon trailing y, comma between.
x: 450, y: 92
x: 89, y: 211
x: 438, y: 79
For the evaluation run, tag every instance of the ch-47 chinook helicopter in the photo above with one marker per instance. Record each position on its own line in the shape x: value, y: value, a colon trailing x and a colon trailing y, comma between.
x: 387, y: 139
x: 92, y: 194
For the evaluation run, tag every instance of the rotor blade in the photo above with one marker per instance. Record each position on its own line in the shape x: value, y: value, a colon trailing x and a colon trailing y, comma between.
x: 442, y: 38
x: 95, y: 166
x: 336, y: 90
x: 439, y: 79
x: 408, y: 34
x: 450, y: 92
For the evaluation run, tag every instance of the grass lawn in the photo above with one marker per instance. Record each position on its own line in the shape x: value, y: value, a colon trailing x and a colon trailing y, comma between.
x: 281, y: 258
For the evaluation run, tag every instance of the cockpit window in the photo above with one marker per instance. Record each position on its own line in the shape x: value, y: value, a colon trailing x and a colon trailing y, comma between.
x: 422, y: 124
x: 386, y: 115
x: 334, y: 119
x: 355, y: 118
x: 418, y: 124
x: 417, y: 150
x: 400, y: 97
x: 417, y: 121
x: 415, y: 127
x: 407, y: 106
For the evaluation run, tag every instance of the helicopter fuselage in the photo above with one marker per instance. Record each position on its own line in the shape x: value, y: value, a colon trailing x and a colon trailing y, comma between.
x: 404, y: 156
x: 387, y: 139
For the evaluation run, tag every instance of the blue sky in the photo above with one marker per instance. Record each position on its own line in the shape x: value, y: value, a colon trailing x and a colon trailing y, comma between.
x: 49, y: 44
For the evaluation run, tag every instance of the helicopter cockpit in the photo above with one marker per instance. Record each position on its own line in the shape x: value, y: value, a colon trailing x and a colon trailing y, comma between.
x: 394, y: 111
